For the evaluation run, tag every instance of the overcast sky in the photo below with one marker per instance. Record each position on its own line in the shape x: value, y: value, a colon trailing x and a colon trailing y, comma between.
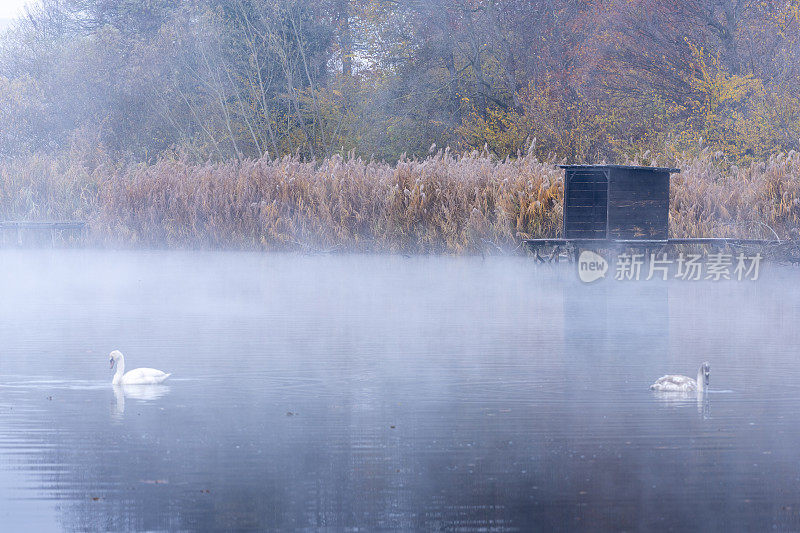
x: 11, y: 8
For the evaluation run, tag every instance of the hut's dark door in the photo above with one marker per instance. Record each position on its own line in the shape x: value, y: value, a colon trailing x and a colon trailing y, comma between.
x: 586, y: 204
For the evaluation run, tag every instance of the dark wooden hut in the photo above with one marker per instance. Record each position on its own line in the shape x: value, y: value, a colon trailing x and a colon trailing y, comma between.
x: 616, y: 202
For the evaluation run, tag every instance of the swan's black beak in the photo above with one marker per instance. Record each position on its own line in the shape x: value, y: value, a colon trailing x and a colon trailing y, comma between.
x: 111, y: 361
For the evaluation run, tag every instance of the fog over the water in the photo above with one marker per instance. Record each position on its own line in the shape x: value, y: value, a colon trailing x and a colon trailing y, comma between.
x: 13, y: 8
x: 383, y: 392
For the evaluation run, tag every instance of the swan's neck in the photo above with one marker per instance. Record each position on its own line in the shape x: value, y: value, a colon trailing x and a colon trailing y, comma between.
x: 120, y: 370
x: 700, y: 381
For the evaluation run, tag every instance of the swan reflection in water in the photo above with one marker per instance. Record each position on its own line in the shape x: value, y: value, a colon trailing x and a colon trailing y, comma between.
x: 145, y: 393
x: 678, y: 399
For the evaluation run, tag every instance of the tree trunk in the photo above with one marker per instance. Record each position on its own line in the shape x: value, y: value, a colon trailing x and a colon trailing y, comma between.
x: 345, y: 36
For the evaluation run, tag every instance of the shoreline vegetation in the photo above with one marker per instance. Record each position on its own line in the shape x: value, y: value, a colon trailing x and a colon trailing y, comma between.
x: 321, y: 125
x: 470, y: 203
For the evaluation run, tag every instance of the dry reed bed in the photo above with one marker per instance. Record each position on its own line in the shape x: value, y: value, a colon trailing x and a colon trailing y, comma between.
x: 442, y: 204
x: 758, y: 201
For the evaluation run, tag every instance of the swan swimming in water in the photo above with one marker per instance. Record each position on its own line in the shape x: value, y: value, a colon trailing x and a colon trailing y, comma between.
x: 137, y: 376
x: 675, y: 383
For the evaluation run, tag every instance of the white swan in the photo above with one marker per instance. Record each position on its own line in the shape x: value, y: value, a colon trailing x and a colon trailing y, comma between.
x: 138, y: 376
x: 674, y: 383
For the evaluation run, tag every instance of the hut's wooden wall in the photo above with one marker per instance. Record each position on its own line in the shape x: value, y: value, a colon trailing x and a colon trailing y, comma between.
x: 585, y: 204
x: 638, y: 204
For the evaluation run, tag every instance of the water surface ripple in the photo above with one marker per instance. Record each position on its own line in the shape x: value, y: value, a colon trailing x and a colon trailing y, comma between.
x: 376, y: 393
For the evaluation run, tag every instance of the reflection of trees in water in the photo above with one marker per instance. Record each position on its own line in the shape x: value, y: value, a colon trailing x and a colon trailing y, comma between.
x: 487, y: 456
x: 334, y: 464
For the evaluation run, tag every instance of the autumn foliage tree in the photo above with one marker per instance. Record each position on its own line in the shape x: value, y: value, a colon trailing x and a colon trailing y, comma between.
x: 595, y: 80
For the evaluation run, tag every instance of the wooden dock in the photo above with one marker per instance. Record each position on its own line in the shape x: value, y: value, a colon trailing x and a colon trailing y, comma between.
x: 41, y: 231
x: 574, y: 246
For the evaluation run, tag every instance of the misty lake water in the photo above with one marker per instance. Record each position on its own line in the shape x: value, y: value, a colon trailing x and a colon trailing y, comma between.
x: 380, y: 392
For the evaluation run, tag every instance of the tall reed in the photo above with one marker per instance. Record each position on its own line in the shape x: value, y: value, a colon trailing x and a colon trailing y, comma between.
x: 445, y: 203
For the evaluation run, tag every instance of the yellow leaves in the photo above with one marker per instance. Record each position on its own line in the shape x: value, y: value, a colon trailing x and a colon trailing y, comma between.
x: 739, y: 117
x: 495, y: 128
x: 563, y: 120
x: 715, y: 88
